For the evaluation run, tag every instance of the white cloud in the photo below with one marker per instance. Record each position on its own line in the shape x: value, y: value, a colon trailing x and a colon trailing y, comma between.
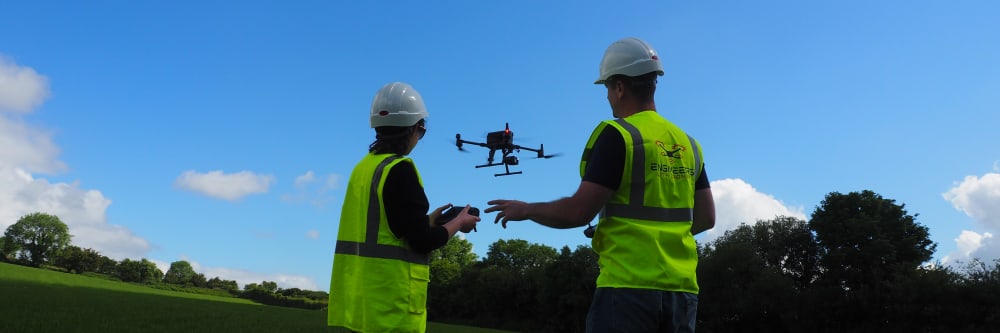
x: 21, y: 88
x: 243, y: 277
x: 82, y: 210
x: 216, y: 184
x: 972, y: 245
x: 303, y: 180
x: 978, y: 197
x: 332, y: 182
x: 307, y: 189
x: 27, y: 147
x: 738, y: 202
x: 312, y: 234
x: 27, y: 150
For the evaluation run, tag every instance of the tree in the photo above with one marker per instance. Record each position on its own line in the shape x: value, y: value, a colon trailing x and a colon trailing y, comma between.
x: 514, y: 270
x: 199, y: 280
x: 143, y: 271
x: 866, y: 240
x: 76, y: 259
x: 36, y: 238
x: 447, y: 264
x: 228, y: 285
x: 748, y: 277
x: 180, y: 273
x: 3, y: 249
x: 519, y: 255
x: 448, y: 261
x: 868, y: 244
x: 567, y: 290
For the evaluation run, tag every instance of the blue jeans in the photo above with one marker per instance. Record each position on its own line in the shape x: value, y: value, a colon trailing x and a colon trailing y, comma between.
x: 642, y: 310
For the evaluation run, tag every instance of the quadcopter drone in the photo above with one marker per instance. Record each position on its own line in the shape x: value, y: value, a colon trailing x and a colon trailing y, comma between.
x: 504, y: 142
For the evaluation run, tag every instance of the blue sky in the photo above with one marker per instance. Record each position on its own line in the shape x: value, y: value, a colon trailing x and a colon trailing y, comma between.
x: 223, y: 133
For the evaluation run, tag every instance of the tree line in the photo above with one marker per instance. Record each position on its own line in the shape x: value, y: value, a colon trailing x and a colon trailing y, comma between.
x: 861, y: 263
x: 43, y: 240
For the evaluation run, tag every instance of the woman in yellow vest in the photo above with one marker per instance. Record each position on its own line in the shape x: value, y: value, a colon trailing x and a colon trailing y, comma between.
x: 646, y: 177
x: 380, y: 263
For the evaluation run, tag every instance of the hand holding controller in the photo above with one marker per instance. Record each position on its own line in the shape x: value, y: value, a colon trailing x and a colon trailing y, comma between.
x: 453, y: 212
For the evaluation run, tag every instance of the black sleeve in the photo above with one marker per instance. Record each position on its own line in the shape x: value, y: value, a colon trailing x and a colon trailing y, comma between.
x: 607, y: 159
x: 607, y: 162
x: 406, y: 209
x: 702, y: 182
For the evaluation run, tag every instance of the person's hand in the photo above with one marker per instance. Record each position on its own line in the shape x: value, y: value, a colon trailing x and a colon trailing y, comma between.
x: 466, y: 220
x: 437, y: 213
x: 509, y: 210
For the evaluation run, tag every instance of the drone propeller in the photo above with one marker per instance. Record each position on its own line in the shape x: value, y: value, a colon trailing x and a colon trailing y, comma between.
x: 550, y: 155
x: 541, y: 153
x: 458, y: 143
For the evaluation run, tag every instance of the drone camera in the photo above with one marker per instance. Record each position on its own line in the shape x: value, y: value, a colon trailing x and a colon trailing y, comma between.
x: 510, y: 160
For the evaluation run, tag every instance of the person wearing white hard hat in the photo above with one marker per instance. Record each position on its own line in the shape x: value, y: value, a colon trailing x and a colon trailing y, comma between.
x: 380, y: 266
x: 644, y: 178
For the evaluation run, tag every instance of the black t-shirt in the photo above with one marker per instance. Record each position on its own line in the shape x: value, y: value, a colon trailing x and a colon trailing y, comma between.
x: 607, y: 161
x: 406, y: 209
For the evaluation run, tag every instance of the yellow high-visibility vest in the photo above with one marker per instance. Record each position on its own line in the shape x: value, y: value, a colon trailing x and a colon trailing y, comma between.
x: 378, y: 283
x: 643, y: 238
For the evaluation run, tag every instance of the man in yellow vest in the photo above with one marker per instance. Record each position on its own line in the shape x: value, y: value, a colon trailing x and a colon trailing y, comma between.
x: 380, y: 264
x: 646, y: 178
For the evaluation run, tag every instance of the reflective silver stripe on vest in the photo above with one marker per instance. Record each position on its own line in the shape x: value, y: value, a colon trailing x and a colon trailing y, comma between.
x: 371, y: 248
x: 381, y: 251
x: 697, y: 158
x: 649, y: 213
x: 637, y: 194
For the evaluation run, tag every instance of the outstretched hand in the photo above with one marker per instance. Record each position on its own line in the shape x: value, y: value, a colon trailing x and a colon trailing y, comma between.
x: 509, y: 210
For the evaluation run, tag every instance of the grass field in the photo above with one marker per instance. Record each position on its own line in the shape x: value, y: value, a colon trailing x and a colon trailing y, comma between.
x: 37, y: 300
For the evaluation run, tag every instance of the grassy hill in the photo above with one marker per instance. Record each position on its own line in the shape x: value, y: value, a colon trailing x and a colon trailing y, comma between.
x: 37, y: 300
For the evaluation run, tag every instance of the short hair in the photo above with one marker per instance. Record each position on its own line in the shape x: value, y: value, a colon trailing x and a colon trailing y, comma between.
x: 393, y: 139
x: 642, y: 87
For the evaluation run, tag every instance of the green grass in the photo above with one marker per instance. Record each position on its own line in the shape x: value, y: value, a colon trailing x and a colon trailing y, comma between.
x: 37, y: 300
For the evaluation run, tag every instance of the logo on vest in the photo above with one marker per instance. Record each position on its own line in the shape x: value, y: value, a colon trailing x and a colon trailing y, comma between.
x: 673, y: 155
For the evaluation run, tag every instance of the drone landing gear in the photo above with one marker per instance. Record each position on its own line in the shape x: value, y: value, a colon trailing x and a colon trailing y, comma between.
x: 506, y: 167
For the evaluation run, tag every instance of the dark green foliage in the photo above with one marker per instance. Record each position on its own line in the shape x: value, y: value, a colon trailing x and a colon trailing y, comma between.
x: 863, y: 269
x: 567, y: 290
x: 518, y: 286
x: 181, y: 273
x: 227, y: 285
x: 867, y: 241
x: 749, y: 275
x: 141, y: 271
x: 3, y: 249
x: 78, y: 260
x: 867, y: 245
x: 36, y: 239
x: 267, y: 292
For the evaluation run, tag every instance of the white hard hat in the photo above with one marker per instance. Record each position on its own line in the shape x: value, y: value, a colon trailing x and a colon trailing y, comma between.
x: 397, y: 104
x: 630, y: 57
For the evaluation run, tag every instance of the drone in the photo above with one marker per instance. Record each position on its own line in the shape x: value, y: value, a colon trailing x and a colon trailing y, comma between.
x: 504, y: 142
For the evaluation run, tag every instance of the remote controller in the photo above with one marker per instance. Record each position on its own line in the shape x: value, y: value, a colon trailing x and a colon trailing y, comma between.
x: 452, y: 212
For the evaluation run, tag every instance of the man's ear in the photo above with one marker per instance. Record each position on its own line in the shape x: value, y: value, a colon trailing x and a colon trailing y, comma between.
x: 619, y: 89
